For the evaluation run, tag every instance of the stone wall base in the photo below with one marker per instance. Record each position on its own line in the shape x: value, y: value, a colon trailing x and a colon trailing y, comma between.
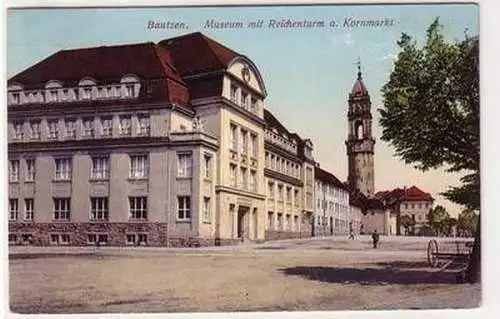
x: 277, y: 234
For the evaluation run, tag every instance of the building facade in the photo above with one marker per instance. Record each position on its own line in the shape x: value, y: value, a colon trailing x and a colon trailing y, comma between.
x: 287, y: 174
x: 331, y: 214
x: 168, y: 151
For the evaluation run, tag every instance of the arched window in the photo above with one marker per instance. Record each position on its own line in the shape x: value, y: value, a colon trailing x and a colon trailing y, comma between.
x: 359, y: 130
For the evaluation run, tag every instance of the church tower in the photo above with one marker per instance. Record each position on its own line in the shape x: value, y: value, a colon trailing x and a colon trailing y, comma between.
x: 360, y: 143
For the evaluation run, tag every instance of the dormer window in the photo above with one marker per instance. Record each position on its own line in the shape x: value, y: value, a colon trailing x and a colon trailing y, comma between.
x: 234, y: 91
x: 109, y: 91
x: 53, y: 96
x: 15, y: 98
x: 102, y: 92
x: 244, y: 100
x: 86, y: 94
x: 129, y: 90
x: 118, y: 90
x: 253, y: 105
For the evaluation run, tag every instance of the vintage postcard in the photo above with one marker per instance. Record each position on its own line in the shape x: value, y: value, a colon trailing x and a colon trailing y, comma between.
x: 256, y: 158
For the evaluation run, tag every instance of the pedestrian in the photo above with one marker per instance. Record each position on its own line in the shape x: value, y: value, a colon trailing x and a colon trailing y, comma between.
x: 375, y: 237
x: 351, y: 232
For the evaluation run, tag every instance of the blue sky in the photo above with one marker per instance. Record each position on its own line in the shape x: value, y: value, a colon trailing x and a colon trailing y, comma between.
x: 308, y: 72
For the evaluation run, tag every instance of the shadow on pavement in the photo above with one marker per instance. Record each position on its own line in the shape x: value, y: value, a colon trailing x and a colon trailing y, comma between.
x: 388, y: 275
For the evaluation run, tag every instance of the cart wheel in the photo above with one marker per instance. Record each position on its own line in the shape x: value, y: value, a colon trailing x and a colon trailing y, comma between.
x: 432, y: 253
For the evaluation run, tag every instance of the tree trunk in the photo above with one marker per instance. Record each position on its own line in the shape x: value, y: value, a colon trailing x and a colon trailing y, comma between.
x: 473, y: 272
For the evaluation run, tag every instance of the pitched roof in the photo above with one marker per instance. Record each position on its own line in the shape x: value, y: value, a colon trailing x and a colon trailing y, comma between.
x: 327, y: 177
x: 104, y: 64
x: 273, y: 122
x: 195, y: 53
x: 405, y: 194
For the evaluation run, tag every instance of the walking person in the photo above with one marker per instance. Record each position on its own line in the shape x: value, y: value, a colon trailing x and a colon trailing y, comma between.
x: 375, y: 237
x: 351, y: 231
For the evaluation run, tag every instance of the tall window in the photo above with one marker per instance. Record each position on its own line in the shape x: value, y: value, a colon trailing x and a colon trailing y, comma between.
x: 232, y: 172
x: 107, y: 127
x: 100, y: 167
x: 244, y: 141
x: 233, y: 138
x: 184, y: 165
x: 30, y: 170
x: 234, y: 92
x: 53, y: 96
x: 138, y: 208
x: 18, y: 130
x: 270, y: 220
x: 53, y: 130
x: 270, y: 189
x: 62, y: 209
x: 15, y: 98
x: 14, y: 170
x: 309, y: 176
x: 184, y: 207
x: 288, y: 194
x: 88, y: 128
x: 13, y: 208
x: 206, y: 209
x: 35, y: 130
x: 28, y: 208
x: 138, y: 166
x: 207, y: 164
x: 253, y: 180
x: 244, y: 100
x: 129, y: 90
x: 63, y: 169
x: 253, y: 105
x: 253, y: 145
x: 99, y: 208
x: 70, y: 129
x: 87, y: 93
x: 280, y: 192
x: 143, y: 125
x: 244, y: 178
x: 125, y: 126
x: 280, y: 221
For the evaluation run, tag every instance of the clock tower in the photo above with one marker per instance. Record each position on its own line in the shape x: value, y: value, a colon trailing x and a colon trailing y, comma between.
x: 360, y: 143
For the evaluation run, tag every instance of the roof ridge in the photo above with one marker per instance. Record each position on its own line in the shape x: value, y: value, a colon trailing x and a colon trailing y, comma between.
x: 165, y: 64
x: 107, y: 46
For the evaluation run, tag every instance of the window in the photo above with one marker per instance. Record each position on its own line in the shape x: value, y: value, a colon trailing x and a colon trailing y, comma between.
x: 87, y: 93
x: 53, y: 130
x: 107, y: 127
x: 59, y: 239
x: 15, y: 98
x: 309, y: 176
x: 28, y: 208
x: 234, y: 138
x: 14, y: 170
x: 280, y: 221
x: 18, y: 130
x: 62, y: 209
x: 138, y: 208
x: 207, y: 161
x: 253, y: 145
x: 35, y: 130
x: 101, y: 239
x: 244, y: 142
x: 270, y: 220
x: 184, y: 207
x: 125, y: 126
x: 139, y: 166
x: 118, y: 91
x: 12, y: 239
x: 244, y: 178
x: 270, y: 187
x: 289, y: 221
x: 143, y: 125
x: 70, y: 129
x: 280, y: 192
x: 99, y: 208
x: 253, y: 105
x: 102, y: 92
x: 53, y: 96
x: 88, y: 128
x: 13, y: 208
x: 288, y: 194
x: 232, y: 170
x: 130, y: 239
x: 253, y: 180
x: 206, y: 209
x: 63, y: 169
x: 129, y: 90
x: 296, y: 223
x: 267, y: 159
x: 100, y: 168
x: 184, y: 165
x: 244, y: 100
x: 234, y: 92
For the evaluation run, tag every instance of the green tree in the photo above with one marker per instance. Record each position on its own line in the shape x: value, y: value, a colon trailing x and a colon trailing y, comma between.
x: 467, y: 222
x: 431, y: 114
x: 448, y: 225
x: 437, y: 218
x: 407, y: 222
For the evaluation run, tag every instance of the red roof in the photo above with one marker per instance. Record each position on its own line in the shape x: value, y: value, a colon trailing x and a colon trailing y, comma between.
x: 405, y: 194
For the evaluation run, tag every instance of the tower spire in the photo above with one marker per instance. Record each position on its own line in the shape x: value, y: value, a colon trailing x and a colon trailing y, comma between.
x: 359, y: 68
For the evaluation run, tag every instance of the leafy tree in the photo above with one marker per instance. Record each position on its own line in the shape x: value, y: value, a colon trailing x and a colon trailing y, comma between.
x: 467, y: 222
x: 431, y: 114
x: 437, y: 217
x: 407, y: 222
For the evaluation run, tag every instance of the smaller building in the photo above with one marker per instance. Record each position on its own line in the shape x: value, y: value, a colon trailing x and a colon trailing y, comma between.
x: 412, y: 202
x: 331, y: 212
x: 375, y: 214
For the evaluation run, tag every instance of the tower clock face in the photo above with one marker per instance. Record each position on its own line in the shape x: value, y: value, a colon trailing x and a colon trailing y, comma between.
x: 245, y: 73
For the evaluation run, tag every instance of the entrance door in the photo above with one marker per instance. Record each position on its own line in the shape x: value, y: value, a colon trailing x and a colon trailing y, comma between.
x: 331, y: 225
x: 242, y: 214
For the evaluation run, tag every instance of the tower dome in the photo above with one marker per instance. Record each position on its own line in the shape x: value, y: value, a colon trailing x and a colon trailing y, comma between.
x: 359, y: 87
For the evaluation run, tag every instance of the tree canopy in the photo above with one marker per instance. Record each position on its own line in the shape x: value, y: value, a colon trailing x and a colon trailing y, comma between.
x: 431, y: 109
